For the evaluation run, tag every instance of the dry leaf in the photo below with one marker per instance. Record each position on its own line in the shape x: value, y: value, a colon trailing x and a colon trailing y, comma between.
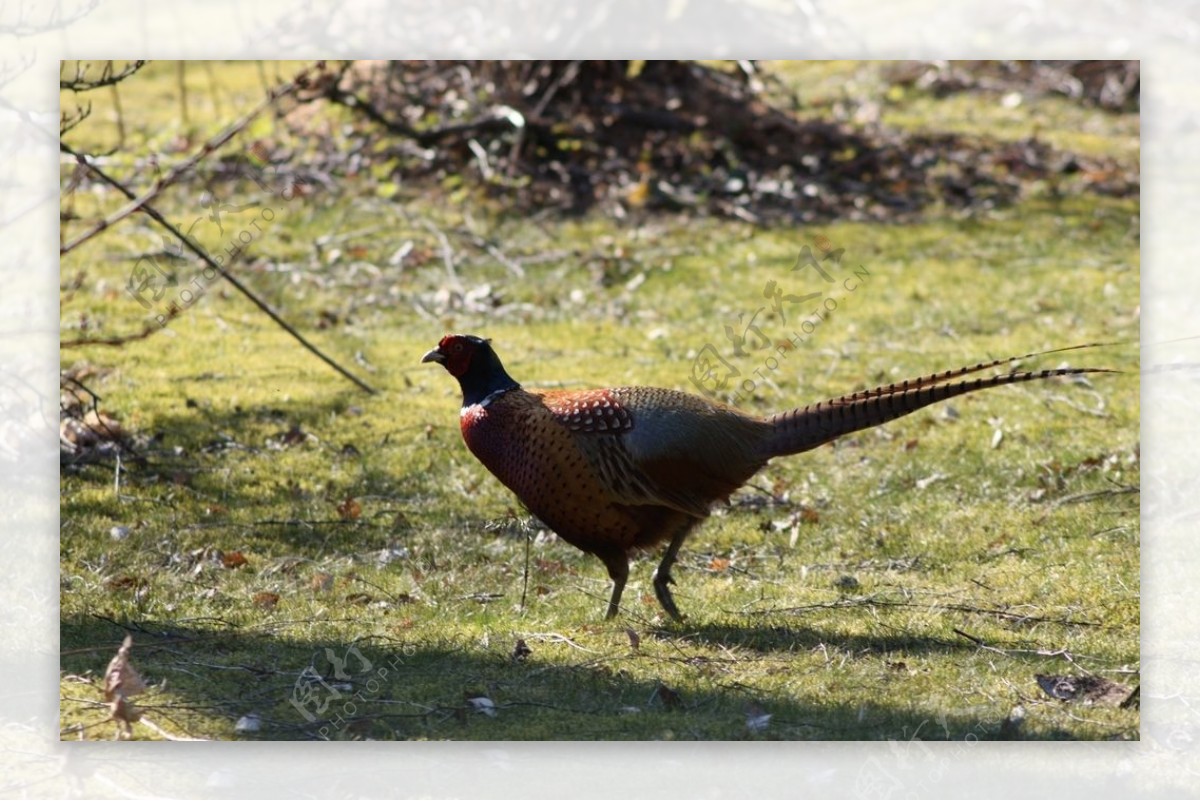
x: 667, y: 697
x: 121, y: 676
x: 321, y: 581
x: 718, y: 564
x: 637, y: 194
x: 522, y: 651
x: 233, y: 559
x: 75, y: 433
x: 121, y: 681
x: 1087, y: 689
x: 123, y: 583
x: 266, y: 600
x: 349, y: 509
x: 483, y: 704
x: 551, y: 567
x: 293, y: 436
x: 260, y: 151
x: 809, y: 515
x: 104, y: 426
x: 286, y: 565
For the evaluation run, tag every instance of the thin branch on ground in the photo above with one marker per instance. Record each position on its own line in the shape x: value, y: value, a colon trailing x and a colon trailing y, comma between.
x: 166, y: 735
x: 1091, y: 496
x: 1063, y: 652
x: 142, y: 204
x: 114, y: 341
x: 973, y: 610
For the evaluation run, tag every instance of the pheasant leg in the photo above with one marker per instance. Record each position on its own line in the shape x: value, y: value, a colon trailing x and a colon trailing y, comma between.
x: 618, y: 571
x: 662, y: 576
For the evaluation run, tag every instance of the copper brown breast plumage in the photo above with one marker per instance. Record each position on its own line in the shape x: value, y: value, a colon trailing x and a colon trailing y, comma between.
x: 615, y: 470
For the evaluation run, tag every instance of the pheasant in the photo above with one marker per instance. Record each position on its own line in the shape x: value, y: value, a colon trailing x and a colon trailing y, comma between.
x: 614, y: 471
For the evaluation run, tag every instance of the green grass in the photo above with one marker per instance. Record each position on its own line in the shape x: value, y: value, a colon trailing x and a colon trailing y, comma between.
x: 1028, y: 547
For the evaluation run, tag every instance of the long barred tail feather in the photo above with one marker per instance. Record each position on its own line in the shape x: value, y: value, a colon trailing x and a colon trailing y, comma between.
x: 950, y: 375
x: 809, y: 427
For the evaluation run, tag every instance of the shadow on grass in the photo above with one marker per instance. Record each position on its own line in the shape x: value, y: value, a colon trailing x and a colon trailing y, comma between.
x: 263, y: 469
x: 304, y: 680
x: 772, y: 637
x: 384, y: 687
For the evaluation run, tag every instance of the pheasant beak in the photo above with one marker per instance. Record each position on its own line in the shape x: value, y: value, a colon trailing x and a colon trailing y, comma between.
x: 434, y: 355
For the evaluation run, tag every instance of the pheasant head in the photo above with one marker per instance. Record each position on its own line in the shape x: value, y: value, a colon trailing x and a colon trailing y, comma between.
x: 471, y: 360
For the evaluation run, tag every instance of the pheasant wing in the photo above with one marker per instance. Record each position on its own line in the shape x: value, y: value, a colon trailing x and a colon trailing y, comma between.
x: 660, y: 447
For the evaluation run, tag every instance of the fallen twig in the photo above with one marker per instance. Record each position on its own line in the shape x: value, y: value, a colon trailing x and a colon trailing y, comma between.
x: 116, y: 341
x: 1089, y: 496
x: 143, y: 204
x: 1063, y: 652
x: 166, y: 735
x: 973, y: 610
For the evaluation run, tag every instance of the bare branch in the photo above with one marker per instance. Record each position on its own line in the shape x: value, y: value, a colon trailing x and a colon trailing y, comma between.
x: 55, y: 21
x: 69, y: 119
x: 208, y: 148
x: 203, y: 254
x: 108, y: 76
x: 495, y: 122
x: 116, y: 341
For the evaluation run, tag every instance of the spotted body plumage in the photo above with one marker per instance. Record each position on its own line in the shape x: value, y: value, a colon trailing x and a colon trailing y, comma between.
x: 597, y: 410
x: 615, y: 470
